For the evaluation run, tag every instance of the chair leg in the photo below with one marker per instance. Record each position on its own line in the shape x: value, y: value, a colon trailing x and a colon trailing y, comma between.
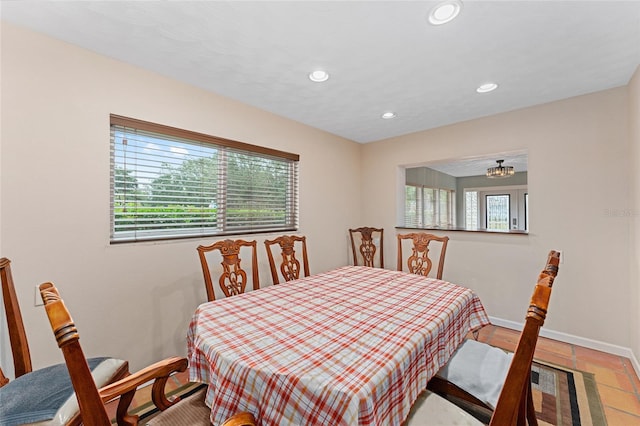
x: 531, y: 411
x: 526, y: 411
x: 523, y: 405
x: 521, y: 419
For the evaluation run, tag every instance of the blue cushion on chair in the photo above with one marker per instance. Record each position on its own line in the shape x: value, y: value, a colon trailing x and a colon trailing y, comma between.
x: 37, y: 396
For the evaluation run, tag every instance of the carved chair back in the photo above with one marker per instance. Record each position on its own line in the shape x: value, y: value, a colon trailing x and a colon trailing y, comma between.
x: 420, y: 262
x: 32, y: 384
x: 89, y: 400
x: 233, y: 279
x: 289, y: 265
x: 364, y: 247
x: 515, y: 403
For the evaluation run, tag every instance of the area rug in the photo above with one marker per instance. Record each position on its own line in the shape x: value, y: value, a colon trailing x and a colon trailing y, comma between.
x: 565, y: 397
x: 561, y: 397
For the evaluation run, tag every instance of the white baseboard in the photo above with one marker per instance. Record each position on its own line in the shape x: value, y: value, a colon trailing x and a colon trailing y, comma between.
x: 575, y: 340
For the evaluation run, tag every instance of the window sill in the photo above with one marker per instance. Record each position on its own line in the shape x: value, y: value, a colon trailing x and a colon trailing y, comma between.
x: 453, y: 228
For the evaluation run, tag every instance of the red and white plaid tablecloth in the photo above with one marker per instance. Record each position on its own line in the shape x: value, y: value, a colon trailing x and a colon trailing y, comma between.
x: 352, y: 346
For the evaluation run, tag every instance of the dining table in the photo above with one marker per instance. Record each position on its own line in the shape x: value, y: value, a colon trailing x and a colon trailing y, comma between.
x: 354, y: 345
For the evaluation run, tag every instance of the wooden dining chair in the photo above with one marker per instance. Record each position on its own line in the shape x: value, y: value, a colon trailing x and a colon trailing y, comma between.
x: 420, y: 261
x: 91, y: 399
x: 47, y: 388
x: 289, y: 264
x: 370, y: 246
x: 233, y: 279
x: 492, y: 379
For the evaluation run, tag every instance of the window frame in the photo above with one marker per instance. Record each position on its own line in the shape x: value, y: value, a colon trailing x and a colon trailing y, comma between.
x: 224, y: 147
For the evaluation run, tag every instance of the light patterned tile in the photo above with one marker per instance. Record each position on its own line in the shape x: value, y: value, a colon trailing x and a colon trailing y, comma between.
x: 626, y: 383
x: 502, y: 332
x: 554, y: 358
x: 618, y: 399
x: 142, y: 395
x: 611, y: 378
x: 505, y: 338
x: 620, y: 418
x: 554, y: 346
x: 634, y: 378
x: 603, y: 359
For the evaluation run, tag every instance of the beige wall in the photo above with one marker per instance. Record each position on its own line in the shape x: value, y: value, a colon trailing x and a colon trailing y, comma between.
x: 634, y: 283
x: 135, y: 300
x: 574, y: 208
x: 129, y: 300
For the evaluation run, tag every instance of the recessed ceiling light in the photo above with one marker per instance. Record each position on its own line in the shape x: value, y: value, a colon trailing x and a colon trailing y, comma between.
x: 486, y: 87
x: 319, y: 76
x: 389, y: 114
x: 445, y: 11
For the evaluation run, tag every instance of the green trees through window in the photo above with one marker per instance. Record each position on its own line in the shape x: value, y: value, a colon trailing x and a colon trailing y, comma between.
x: 166, y: 185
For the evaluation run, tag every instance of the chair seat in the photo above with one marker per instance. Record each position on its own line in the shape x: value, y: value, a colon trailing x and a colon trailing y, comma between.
x: 54, y: 403
x: 478, y: 369
x: 189, y: 411
x: 431, y: 409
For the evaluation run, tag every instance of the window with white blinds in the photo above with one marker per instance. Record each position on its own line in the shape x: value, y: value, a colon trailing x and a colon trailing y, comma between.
x: 425, y: 207
x: 172, y: 183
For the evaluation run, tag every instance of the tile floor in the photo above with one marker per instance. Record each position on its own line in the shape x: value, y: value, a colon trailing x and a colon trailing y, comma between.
x: 616, y: 379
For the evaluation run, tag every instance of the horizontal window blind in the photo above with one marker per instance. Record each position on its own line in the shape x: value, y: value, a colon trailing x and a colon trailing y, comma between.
x: 412, y: 206
x: 425, y: 207
x: 168, y: 183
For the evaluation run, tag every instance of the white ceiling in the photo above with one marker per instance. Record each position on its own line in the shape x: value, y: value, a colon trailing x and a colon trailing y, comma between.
x: 382, y: 55
x: 478, y: 165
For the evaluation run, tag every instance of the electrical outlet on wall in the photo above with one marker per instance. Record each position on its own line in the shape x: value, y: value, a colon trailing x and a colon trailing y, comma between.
x: 37, y: 300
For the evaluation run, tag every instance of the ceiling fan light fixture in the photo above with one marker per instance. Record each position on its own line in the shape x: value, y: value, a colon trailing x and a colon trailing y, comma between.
x: 500, y: 171
x: 487, y: 87
x: 318, y: 76
x: 444, y: 12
